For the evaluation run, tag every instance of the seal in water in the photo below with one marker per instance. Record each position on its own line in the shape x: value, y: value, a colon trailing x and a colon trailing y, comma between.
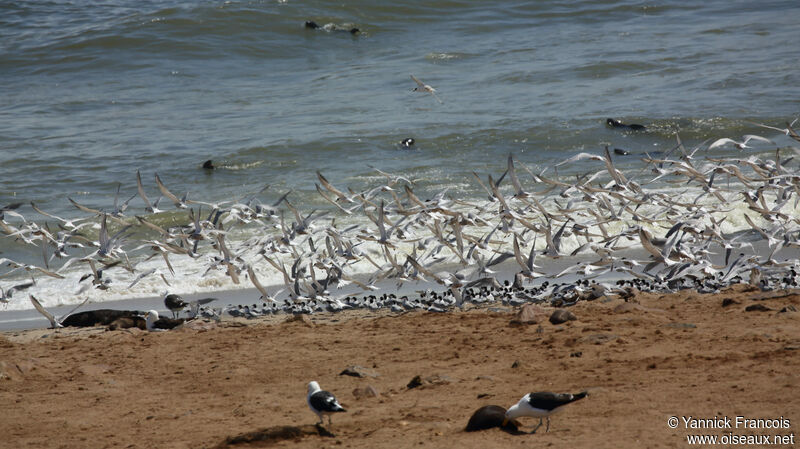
x: 618, y: 124
x: 208, y: 165
x: 310, y: 24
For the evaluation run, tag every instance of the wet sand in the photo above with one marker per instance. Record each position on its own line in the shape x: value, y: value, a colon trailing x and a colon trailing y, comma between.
x: 642, y: 361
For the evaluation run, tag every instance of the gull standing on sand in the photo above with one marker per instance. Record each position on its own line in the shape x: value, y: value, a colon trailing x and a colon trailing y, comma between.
x: 422, y: 87
x: 541, y: 405
x: 175, y: 304
x: 322, y: 402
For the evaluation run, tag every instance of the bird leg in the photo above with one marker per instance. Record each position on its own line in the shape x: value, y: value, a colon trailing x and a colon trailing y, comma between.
x: 537, y: 427
x: 548, y: 424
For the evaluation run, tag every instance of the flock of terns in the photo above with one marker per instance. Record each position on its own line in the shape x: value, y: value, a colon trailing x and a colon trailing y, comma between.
x: 657, y: 228
x: 392, y: 233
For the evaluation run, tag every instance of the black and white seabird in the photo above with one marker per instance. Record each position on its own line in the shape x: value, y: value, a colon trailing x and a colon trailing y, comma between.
x: 541, y: 405
x: 322, y: 402
x: 407, y: 142
x: 150, y: 319
x: 175, y: 304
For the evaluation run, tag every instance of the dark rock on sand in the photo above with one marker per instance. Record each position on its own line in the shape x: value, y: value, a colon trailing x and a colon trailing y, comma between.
x: 527, y: 314
x: 757, y: 308
x: 489, y: 417
x: 562, y: 316
x: 358, y: 371
x: 365, y: 392
x: 415, y: 382
x: 436, y: 379
x: 728, y: 302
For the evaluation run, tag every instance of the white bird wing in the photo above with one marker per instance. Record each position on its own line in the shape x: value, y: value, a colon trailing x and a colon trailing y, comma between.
x: 38, y: 306
x: 749, y: 137
x: 721, y: 142
x: 168, y: 194
x: 579, y: 157
x: 514, y: 180
x: 141, y: 191
x: 419, y: 83
x: 255, y: 282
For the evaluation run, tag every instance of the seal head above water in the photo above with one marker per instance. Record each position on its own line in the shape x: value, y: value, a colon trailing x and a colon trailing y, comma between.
x: 614, y: 123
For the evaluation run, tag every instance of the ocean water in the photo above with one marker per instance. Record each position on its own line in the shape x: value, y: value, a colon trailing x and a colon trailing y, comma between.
x: 91, y: 93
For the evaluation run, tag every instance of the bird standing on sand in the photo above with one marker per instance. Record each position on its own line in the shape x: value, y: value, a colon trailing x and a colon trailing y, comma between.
x: 541, y: 405
x: 322, y: 402
x: 175, y: 304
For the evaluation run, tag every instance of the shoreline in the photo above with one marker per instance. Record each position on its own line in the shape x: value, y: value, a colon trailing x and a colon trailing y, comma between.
x: 642, y: 360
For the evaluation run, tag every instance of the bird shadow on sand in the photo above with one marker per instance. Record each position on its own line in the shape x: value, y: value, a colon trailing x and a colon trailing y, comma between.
x: 274, y: 435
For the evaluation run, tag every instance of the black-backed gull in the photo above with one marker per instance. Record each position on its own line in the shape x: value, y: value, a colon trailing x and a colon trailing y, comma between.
x: 175, y: 304
x: 322, y: 402
x: 541, y: 405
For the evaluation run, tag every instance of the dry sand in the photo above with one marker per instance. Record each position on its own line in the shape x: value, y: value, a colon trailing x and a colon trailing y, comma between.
x: 642, y: 361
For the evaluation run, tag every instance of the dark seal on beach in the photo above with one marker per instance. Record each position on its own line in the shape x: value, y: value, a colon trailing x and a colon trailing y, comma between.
x: 618, y: 124
x: 97, y: 317
x: 488, y: 417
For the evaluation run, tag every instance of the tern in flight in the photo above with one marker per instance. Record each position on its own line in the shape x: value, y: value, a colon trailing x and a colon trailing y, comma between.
x: 422, y: 87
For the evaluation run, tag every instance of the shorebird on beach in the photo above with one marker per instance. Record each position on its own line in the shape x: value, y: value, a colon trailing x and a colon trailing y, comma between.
x: 150, y: 319
x: 422, y: 87
x: 175, y: 304
x: 541, y: 405
x: 322, y: 402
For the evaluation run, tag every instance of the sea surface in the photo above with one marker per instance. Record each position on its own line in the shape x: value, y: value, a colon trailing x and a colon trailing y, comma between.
x: 91, y: 92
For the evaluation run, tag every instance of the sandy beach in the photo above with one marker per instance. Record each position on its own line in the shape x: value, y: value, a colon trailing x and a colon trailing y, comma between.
x: 220, y: 384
